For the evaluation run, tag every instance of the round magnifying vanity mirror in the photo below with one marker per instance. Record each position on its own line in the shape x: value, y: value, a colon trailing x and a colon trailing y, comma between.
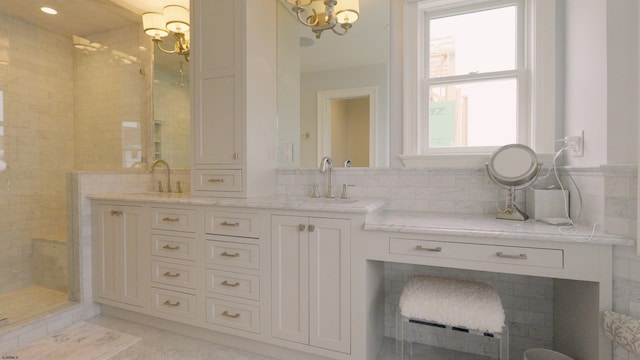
x: 513, y: 167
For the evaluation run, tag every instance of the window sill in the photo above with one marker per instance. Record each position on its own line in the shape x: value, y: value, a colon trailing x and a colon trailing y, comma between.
x: 464, y: 161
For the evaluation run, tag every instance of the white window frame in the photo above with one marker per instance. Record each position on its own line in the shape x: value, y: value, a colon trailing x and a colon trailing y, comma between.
x: 537, y: 83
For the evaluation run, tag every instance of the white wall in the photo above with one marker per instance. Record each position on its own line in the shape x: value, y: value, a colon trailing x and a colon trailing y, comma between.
x: 586, y: 78
x: 601, y: 79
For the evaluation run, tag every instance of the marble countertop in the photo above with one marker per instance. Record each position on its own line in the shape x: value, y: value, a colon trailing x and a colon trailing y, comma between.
x: 363, y: 206
x: 471, y: 225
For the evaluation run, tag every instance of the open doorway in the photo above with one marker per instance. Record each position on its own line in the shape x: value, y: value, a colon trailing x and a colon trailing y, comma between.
x: 347, y: 126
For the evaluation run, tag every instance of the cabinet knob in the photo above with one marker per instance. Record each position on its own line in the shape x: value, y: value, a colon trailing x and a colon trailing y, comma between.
x: 116, y: 213
x: 311, y: 228
x: 301, y: 227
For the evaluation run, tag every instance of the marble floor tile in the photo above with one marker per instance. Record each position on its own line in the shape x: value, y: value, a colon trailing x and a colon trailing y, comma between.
x: 159, y: 344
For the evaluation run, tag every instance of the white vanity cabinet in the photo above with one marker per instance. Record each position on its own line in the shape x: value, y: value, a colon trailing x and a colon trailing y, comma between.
x: 311, y: 281
x: 233, y: 270
x: 175, y: 276
x: 234, y: 118
x: 118, y: 251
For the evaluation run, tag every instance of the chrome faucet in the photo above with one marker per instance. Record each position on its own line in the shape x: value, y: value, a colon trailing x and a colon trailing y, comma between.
x: 327, y: 165
x: 153, y: 167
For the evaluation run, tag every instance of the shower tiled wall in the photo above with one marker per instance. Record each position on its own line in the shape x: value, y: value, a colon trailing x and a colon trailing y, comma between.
x: 37, y: 88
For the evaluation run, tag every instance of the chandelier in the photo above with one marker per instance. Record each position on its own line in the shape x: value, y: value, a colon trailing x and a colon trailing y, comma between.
x: 175, y: 21
x: 321, y: 15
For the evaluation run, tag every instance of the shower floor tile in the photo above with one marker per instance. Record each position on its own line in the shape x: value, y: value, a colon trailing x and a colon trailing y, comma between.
x: 30, y: 301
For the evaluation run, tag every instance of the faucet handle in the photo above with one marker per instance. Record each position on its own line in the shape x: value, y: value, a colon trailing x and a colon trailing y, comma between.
x: 345, y: 193
x: 178, y: 187
x: 315, y: 193
x: 160, y: 189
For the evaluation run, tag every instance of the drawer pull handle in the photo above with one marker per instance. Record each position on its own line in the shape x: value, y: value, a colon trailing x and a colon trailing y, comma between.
x: 227, y: 314
x: 216, y: 180
x: 226, y: 283
x: 169, y: 274
x: 229, y: 255
x: 169, y: 303
x: 116, y: 213
x: 506, y: 256
x: 435, y: 249
x: 225, y: 223
x: 168, y: 219
x: 169, y: 247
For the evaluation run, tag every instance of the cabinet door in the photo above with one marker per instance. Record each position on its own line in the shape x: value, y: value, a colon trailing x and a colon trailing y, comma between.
x: 117, y: 250
x: 290, y: 286
x: 329, y: 284
x: 217, y: 77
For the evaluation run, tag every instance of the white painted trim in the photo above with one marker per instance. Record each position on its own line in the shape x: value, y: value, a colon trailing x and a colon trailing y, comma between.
x: 447, y: 161
x: 324, y: 118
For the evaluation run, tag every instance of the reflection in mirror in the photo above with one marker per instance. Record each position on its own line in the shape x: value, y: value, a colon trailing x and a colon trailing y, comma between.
x: 310, y: 67
x: 170, y: 134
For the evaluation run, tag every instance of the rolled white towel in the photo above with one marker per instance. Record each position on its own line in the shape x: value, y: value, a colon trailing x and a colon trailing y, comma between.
x: 452, y: 302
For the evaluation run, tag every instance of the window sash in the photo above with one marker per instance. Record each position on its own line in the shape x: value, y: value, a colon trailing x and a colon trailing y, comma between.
x: 428, y: 12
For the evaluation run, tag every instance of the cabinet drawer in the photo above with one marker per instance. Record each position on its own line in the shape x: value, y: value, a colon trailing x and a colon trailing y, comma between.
x: 512, y: 255
x: 233, y: 284
x: 173, y: 219
x: 174, y: 274
x: 173, y: 247
x: 173, y: 303
x: 218, y: 180
x: 234, y: 224
x: 232, y: 254
x: 233, y: 315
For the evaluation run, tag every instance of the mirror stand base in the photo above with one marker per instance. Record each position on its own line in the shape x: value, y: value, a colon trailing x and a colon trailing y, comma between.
x: 512, y: 213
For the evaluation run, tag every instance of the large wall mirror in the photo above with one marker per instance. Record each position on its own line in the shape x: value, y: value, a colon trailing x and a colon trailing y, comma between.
x: 333, y: 96
x: 170, y: 131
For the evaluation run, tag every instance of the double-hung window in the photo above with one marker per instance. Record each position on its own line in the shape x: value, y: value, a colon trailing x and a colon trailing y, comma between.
x: 468, y: 82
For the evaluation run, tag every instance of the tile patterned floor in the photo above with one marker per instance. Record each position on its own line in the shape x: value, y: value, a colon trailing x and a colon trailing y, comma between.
x: 159, y: 344
x: 33, y: 300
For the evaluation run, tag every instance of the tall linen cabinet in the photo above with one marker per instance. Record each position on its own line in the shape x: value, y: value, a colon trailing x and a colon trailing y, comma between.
x: 233, y: 102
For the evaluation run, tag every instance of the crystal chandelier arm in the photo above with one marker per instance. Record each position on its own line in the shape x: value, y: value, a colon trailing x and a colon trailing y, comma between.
x: 346, y: 28
x: 158, y: 42
x: 299, y: 10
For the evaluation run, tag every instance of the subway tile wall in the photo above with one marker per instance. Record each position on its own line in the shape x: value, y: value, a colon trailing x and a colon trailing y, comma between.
x: 37, y: 113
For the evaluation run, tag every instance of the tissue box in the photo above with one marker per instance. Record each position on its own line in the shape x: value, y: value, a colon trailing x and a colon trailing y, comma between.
x: 544, y: 204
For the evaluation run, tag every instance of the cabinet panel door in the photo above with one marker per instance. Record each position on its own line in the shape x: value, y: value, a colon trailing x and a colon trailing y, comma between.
x: 290, y: 288
x: 329, y: 284
x: 105, y: 250
x: 118, y: 246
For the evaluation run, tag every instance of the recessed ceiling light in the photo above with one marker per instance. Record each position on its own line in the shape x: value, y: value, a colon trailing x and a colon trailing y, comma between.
x: 48, y: 10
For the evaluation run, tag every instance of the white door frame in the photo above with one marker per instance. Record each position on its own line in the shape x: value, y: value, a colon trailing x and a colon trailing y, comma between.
x: 324, y: 118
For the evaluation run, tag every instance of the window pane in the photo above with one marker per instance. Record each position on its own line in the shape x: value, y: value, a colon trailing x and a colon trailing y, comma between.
x: 481, y: 41
x: 481, y: 113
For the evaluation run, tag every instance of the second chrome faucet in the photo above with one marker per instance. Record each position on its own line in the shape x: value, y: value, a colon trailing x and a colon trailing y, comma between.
x: 326, y: 166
